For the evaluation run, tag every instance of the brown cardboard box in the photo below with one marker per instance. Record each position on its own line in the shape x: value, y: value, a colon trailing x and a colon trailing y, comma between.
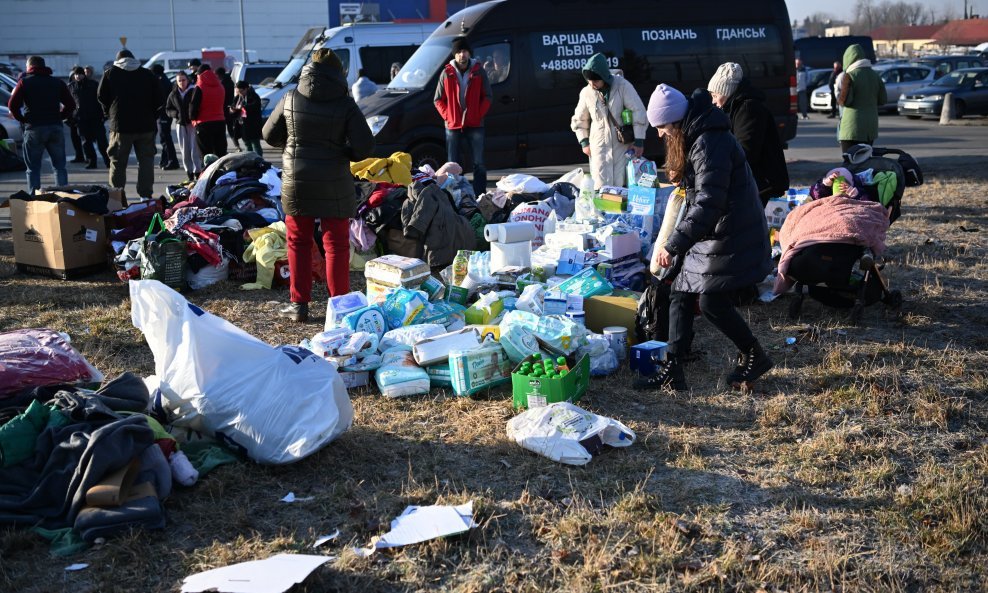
x: 57, y: 239
x: 619, y: 308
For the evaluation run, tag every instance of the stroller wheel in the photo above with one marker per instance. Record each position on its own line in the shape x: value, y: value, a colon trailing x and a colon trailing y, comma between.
x: 894, y: 300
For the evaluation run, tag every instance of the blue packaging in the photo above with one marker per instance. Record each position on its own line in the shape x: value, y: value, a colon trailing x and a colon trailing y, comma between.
x: 647, y: 357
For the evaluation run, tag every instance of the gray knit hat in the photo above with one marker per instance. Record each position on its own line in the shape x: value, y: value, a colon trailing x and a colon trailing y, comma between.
x: 726, y: 79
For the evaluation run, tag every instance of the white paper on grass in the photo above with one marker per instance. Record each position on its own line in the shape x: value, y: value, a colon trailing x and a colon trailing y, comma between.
x: 271, y: 575
x: 418, y: 524
x: 326, y: 538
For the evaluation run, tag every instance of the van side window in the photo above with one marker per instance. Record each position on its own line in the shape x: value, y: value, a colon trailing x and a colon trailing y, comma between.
x: 344, y: 55
x: 376, y: 61
x: 496, y: 60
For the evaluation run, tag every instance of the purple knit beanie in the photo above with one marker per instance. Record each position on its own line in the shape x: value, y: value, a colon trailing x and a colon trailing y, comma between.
x: 666, y: 105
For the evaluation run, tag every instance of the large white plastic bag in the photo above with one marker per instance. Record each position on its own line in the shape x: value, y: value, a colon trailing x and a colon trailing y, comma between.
x: 566, y: 433
x: 278, y: 404
x: 520, y: 183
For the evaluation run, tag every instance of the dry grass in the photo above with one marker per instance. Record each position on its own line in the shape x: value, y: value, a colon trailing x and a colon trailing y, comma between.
x: 860, y: 464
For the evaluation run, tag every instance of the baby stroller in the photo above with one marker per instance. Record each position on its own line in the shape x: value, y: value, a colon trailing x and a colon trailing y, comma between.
x: 826, y: 271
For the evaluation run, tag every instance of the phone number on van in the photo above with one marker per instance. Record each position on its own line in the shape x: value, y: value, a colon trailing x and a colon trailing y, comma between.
x: 574, y: 64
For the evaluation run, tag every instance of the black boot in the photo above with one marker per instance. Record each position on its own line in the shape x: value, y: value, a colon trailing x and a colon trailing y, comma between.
x: 670, y: 375
x: 91, y: 165
x: 752, y: 364
x: 298, y: 312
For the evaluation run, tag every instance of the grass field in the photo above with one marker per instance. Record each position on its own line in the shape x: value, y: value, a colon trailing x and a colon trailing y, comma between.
x: 859, y: 464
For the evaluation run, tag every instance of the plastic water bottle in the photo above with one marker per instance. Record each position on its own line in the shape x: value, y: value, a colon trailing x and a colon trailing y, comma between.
x: 585, y: 210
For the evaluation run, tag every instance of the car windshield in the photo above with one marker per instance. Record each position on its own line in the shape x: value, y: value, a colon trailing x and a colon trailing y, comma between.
x: 956, y: 78
x: 418, y: 70
x: 291, y: 71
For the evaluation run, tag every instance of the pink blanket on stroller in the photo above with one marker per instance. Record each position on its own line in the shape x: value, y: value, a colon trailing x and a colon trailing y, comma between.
x: 830, y: 220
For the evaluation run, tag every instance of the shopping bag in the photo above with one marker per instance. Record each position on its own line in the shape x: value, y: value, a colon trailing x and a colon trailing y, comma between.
x: 276, y: 404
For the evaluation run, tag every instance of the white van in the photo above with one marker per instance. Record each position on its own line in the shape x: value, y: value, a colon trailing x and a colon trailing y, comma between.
x: 371, y: 47
x: 173, y: 61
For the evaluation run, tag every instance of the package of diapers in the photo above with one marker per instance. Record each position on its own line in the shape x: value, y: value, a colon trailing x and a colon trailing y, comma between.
x: 399, y: 376
x: 402, y: 306
x: 367, y: 319
x: 478, y: 369
x: 410, y: 335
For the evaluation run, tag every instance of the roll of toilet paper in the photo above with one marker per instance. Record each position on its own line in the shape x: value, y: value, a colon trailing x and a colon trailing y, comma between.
x: 510, y: 232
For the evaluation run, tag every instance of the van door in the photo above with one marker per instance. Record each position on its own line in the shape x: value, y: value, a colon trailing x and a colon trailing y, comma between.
x: 497, y: 57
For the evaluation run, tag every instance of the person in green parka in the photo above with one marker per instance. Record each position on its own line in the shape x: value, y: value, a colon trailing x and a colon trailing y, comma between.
x: 862, y: 92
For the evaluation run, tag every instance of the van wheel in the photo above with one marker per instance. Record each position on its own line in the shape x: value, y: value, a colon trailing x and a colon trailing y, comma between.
x: 428, y: 153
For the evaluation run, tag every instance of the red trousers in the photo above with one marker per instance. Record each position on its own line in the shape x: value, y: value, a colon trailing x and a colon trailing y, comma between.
x: 336, y: 242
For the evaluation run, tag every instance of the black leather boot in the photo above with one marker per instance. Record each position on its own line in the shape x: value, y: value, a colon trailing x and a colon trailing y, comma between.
x: 752, y: 364
x: 670, y: 375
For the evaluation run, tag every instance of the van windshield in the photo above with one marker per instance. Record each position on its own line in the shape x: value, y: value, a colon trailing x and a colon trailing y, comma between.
x: 291, y: 71
x: 418, y: 70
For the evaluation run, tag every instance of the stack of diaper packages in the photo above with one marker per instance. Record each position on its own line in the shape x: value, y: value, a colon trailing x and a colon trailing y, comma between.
x: 511, y: 245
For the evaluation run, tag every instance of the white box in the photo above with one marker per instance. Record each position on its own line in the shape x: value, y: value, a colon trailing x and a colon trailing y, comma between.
x: 507, y: 255
x: 618, y: 246
x: 437, y: 348
x: 566, y: 240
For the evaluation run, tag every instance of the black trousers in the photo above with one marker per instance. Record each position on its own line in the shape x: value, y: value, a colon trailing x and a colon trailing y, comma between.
x: 168, y: 155
x: 211, y: 137
x: 717, y: 308
x: 91, y: 135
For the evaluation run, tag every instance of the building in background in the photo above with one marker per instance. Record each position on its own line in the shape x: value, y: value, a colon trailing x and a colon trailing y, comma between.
x: 904, y: 41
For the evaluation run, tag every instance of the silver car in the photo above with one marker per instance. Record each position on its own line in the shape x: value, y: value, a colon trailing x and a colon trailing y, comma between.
x: 898, y: 79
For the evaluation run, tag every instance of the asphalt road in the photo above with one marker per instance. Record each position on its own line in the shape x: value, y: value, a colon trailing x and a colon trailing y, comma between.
x: 950, y: 149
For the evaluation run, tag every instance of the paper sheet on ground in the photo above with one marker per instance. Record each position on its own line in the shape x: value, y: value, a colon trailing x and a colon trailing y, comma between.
x: 418, y: 524
x: 271, y: 575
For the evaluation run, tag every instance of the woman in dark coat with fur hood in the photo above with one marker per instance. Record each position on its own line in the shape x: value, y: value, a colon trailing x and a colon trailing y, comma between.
x: 721, y: 242
x: 321, y: 130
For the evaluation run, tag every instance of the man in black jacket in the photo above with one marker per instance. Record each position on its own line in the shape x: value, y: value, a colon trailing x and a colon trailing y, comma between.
x: 131, y: 98
x: 169, y: 160
x: 46, y: 102
x: 754, y: 127
x: 88, y: 117
x: 832, y: 84
x: 229, y: 99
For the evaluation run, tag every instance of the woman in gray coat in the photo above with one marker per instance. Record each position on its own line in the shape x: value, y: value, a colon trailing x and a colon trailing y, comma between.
x: 321, y: 130
x: 721, y: 243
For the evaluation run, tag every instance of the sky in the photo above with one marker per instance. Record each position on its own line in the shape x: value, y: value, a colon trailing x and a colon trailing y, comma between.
x: 844, y: 9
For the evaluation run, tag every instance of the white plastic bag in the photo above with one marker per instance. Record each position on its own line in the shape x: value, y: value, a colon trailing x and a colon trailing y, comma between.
x: 573, y: 177
x: 520, y: 183
x: 208, y: 275
x: 277, y: 404
x: 566, y: 433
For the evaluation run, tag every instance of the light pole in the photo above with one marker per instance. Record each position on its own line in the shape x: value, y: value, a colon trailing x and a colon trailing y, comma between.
x: 171, y: 4
x: 243, y: 36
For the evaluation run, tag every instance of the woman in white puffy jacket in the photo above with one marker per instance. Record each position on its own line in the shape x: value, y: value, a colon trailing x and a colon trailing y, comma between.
x: 597, y: 131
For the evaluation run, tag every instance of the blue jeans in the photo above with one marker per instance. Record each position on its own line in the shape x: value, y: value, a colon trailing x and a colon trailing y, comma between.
x: 37, y: 140
x: 476, y: 138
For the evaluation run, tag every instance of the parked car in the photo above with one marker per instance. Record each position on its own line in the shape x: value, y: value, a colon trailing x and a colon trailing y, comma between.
x: 947, y: 64
x: 10, y: 128
x: 256, y: 73
x: 7, y: 83
x: 969, y: 88
x: 899, y: 78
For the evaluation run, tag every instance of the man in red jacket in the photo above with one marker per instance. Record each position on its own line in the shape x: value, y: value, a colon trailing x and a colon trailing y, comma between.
x: 463, y: 97
x: 207, y: 110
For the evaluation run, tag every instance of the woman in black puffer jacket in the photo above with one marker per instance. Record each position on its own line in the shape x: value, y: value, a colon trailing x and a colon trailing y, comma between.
x: 321, y: 130
x: 721, y: 243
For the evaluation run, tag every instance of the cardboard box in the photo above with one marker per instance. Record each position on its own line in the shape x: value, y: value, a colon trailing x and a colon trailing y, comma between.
x: 647, y: 356
x: 529, y: 392
x: 58, y: 239
x: 620, y: 308
x: 618, y: 246
x: 115, y: 198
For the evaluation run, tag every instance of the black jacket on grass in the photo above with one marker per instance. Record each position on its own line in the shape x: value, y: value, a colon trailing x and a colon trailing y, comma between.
x: 723, y: 236
x: 321, y: 130
x: 754, y: 127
